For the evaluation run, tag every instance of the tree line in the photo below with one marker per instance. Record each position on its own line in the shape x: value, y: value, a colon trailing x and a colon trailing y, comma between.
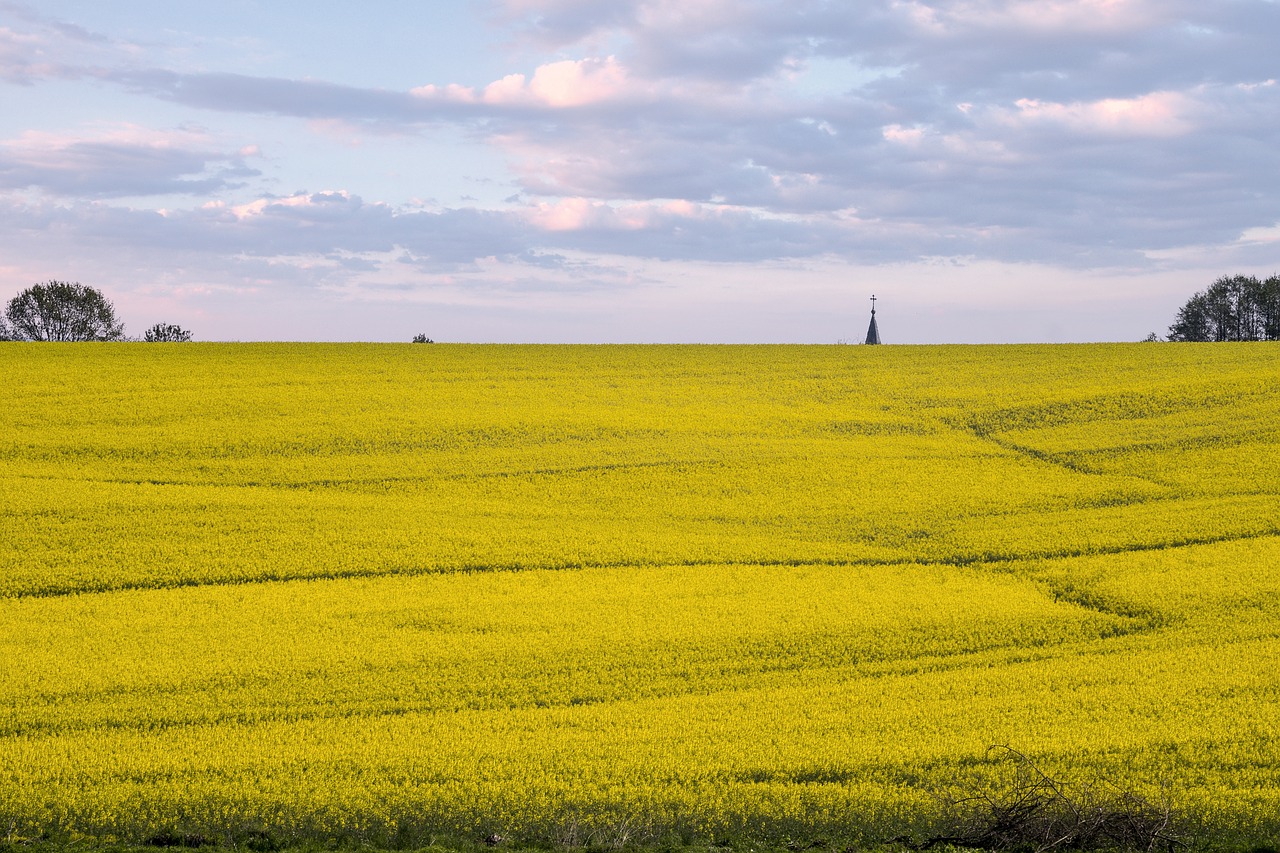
x: 1233, y: 308
x: 70, y: 311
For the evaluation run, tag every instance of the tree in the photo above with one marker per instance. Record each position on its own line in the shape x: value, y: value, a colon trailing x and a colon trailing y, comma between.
x: 1233, y: 308
x: 166, y: 333
x: 1268, y: 300
x: 422, y: 339
x: 1192, y: 322
x: 62, y: 311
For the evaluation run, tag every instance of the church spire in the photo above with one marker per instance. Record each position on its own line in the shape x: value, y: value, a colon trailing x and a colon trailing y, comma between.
x: 873, y: 331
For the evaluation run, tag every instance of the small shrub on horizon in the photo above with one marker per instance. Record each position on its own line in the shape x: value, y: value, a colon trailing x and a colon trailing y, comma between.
x: 166, y: 333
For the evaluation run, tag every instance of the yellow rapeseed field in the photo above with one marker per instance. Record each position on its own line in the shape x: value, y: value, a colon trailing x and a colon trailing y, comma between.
x: 381, y: 593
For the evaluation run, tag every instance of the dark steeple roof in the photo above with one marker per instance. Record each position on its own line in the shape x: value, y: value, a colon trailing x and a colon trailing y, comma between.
x: 873, y: 331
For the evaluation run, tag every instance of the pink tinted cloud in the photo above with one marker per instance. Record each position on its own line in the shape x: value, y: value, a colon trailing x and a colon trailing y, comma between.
x: 1154, y: 114
x: 575, y: 83
x: 23, y: 57
x: 578, y: 214
x: 557, y: 85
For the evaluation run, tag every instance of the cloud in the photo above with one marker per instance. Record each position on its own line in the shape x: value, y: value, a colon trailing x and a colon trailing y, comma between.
x: 69, y: 31
x: 39, y: 47
x: 679, y: 230
x: 1089, y: 133
x: 335, y: 222
x: 1057, y: 16
x: 23, y: 59
x: 572, y: 83
x: 124, y: 161
x: 566, y: 83
x: 312, y: 99
x: 1263, y: 234
x: 720, y: 40
x: 1155, y: 114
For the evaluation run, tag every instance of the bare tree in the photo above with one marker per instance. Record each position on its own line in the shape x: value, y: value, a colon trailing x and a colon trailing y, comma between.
x: 62, y: 311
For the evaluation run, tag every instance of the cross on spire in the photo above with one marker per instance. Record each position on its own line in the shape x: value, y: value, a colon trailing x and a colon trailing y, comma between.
x: 873, y: 331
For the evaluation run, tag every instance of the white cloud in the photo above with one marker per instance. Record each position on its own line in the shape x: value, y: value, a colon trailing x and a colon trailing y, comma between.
x: 1261, y: 234
x: 1154, y: 114
x: 909, y: 136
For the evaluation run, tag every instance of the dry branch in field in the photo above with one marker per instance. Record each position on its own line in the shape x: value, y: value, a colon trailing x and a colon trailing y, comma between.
x: 1040, y: 813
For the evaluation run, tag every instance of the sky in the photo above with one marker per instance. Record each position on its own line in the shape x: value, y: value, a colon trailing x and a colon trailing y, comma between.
x: 713, y: 171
